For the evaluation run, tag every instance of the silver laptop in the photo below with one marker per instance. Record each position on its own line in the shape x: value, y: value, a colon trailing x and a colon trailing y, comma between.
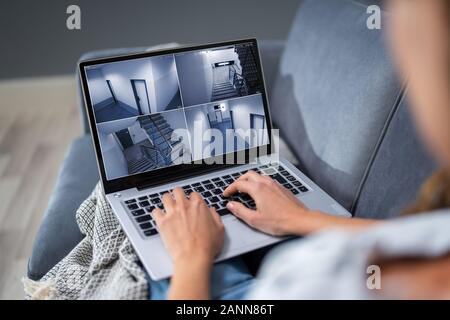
x: 195, y: 117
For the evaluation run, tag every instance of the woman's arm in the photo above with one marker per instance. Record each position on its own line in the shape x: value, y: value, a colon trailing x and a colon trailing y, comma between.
x: 190, y: 280
x: 193, y: 235
x: 279, y: 212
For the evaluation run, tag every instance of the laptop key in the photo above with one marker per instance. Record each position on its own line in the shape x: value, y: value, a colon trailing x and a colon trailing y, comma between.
x: 294, y: 191
x: 215, y: 179
x: 245, y: 197
x: 278, y: 178
x: 155, y: 195
x: 197, y: 184
x: 291, y: 178
x: 130, y: 201
x: 283, y: 172
x: 236, y: 175
x: 223, y: 203
x: 206, y: 194
x: 217, y: 191
x: 186, y: 187
x: 269, y: 171
x: 199, y: 189
x: 223, y: 211
x: 150, y: 232
x: 138, y: 212
x: 303, y: 189
x: 144, y: 203
x: 220, y: 183
x: 146, y: 225
x: 150, y: 209
x: 133, y: 206
x: 215, y: 206
x: 145, y: 218
x: 156, y: 200
x: 226, y: 177
x: 287, y: 186
x: 209, y: 186
x: 229, y: 181
x: 214, y: 199
x: 297, y: 183
x: 142, y: 198
x: 206, y: 182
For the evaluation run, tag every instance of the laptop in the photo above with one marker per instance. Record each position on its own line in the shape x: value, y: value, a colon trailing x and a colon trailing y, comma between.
x: 195, y: 117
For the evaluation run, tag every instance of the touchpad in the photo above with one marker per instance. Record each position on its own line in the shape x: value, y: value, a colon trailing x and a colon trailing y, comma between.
x: 239, y: 235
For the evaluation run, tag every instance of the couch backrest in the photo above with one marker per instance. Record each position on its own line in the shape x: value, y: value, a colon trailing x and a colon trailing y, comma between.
x: 340, y: 107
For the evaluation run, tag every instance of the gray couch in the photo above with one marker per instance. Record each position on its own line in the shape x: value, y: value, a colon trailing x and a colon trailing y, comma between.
x: 341, y: 109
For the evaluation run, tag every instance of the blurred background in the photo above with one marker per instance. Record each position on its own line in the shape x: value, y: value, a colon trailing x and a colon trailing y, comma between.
x: 36, y: 41
x: 38, y: 101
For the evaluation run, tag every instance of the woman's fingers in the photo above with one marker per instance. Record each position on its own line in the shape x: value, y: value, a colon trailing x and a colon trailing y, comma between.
x: 246, y: 186
x: 242, y: 212
x: 196, y: 198
x: 168, y: 202
x: 215, y: 216
x: 250, y: 175
x: 158, y: 215
x: 179, y: 195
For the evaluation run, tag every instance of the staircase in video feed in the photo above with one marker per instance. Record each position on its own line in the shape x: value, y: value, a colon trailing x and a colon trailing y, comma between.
x: 224, y: 90
x: 239, y: 78
x: 247, y: 58
x: 168, y: 147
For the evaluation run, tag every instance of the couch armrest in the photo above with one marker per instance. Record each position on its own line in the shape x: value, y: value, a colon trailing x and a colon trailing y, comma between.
x: 271, y: 52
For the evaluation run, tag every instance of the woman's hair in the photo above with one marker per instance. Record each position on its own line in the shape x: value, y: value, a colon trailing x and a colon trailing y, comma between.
x: 435, y: 192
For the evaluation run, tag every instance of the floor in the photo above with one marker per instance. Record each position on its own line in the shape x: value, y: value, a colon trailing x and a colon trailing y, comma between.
x: 115, y: 111
x: 38, y: 119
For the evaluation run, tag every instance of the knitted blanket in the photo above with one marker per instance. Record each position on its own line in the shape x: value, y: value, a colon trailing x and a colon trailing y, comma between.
x: 103, y: 265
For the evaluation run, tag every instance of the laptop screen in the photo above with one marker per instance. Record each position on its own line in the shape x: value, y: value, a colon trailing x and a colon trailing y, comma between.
x: 164, y: 110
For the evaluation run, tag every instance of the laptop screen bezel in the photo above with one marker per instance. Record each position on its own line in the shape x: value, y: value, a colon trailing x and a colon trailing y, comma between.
x: 172, y: 172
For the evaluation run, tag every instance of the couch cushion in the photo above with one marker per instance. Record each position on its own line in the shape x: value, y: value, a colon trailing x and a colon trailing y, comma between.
x: 334, y: 94
x: 59, y: 233
x: 397, y: 171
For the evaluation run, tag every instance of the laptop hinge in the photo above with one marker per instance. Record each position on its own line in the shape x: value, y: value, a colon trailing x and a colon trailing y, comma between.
x: 152, y: 183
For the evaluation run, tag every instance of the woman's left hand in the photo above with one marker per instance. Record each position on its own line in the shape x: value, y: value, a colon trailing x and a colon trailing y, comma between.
x: 189, y: 229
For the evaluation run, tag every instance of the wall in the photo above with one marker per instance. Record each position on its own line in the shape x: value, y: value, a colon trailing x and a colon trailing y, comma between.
x: 243, y: 107
x: 198, y: 144
x: 120, y: 74
x: 116, y: 125
x: 175, y: 119
x: 37, y: 42
x: 222, y: 55
x: 196, y: 66
x: 212, y: 114
x: 114, y: 160
x: 137, y: 133
x: 98, y: 87
x: 166, y: 80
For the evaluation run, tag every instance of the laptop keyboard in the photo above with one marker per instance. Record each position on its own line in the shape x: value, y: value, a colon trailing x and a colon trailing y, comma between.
x: 212, y: 192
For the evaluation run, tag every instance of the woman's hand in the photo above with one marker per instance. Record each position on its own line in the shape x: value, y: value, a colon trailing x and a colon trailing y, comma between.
x: 189, y: 228
x: 278, y: 211
x: 193, y: 236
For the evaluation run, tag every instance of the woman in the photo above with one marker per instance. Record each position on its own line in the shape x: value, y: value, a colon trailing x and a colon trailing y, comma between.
x: 193, y: 233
